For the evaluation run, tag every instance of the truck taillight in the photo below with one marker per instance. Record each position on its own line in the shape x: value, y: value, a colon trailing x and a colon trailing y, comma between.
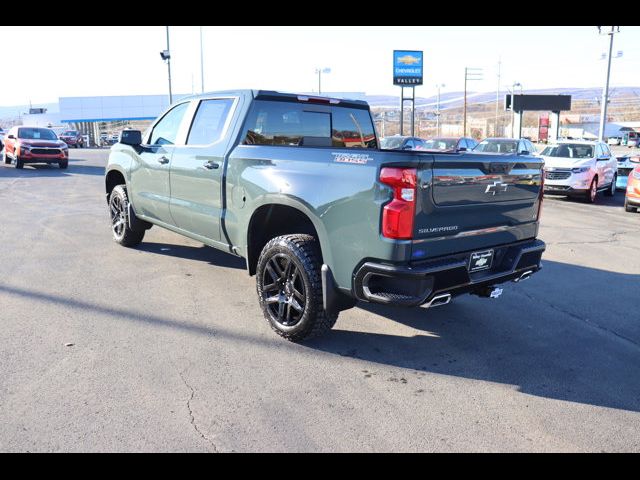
x: 399, y: 214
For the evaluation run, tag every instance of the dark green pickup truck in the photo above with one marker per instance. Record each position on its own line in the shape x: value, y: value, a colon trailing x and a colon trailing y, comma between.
x: 298, y: 187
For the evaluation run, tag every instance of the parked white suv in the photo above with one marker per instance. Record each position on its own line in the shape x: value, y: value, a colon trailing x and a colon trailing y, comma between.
x: 579, y: 168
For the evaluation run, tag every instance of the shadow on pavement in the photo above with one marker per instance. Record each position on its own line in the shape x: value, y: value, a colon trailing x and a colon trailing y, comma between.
x: 203, y: 253
x: 558, y: 338
x: 542, y: 346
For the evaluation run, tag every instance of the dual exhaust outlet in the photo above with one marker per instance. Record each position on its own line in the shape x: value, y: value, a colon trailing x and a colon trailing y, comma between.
x: 487, y: 292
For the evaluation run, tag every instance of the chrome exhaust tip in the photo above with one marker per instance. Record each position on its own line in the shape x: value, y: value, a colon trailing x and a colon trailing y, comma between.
x: 438, y: 300
x: 524, y: 276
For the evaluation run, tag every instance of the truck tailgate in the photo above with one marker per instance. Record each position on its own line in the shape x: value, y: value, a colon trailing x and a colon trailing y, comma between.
x: 469, y: 201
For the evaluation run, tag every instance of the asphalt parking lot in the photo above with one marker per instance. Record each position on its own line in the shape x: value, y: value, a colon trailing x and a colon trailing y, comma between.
x: 170, y: 351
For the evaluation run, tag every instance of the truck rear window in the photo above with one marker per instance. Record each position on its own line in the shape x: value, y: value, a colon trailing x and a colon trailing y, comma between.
x: 308, y: 125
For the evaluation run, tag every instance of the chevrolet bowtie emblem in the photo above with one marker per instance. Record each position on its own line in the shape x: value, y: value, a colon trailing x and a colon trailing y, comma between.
x: 496, y: 188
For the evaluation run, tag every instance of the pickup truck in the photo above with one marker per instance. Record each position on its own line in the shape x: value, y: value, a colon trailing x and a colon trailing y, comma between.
x: 323, y: 222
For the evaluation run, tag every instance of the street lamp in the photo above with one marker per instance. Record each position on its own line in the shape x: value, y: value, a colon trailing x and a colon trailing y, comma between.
x: 320, y: 71
x: 605, y: 90
x: 438, y: 108
x: 166, y: 56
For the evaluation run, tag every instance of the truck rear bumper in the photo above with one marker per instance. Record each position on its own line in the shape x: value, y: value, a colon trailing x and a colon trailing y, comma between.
x: 418, y: 283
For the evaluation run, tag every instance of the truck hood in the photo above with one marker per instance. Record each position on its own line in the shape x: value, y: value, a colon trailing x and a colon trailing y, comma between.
x: 560, y: 162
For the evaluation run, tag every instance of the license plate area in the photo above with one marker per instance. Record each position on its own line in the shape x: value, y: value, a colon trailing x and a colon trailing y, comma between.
x: 482, y: 260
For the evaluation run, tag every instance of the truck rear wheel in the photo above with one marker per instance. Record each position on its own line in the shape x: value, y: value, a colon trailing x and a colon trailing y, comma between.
x: 290, y: 289
x: 119, y: 213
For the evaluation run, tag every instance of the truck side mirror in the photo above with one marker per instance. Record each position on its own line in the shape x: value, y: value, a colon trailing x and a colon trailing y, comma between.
x: 131, y: 137
x: 11, y: 136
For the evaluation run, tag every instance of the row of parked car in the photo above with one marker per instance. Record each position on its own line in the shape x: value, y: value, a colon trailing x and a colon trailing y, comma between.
x: 575, y: 168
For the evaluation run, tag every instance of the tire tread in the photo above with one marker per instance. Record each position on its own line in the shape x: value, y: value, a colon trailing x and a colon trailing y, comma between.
x: 305, y: 247
x: 131, y: 238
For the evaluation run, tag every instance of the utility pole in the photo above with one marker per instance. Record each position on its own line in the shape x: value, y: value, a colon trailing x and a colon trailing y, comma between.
x: 169, y: 66
x: 320, y: 71
x: 201, y: 64
x: 495, y: 128
x: 469, y: 74
x: 438, y: 109
x: 605, y: 90
x: 464, y: 124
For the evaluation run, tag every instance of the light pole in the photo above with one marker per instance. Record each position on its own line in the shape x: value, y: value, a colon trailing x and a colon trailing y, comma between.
x: 495, y: 128
x: 605, y: 90
x: 469, y: 74
x: 513, y: 110
x: 166, y: 56
x: 201, y: 63
x: 320, y: 71
x: 438, y: 108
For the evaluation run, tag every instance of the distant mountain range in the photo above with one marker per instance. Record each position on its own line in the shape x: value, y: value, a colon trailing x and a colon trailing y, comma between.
x: 456, y: 99
x: 447, y: 99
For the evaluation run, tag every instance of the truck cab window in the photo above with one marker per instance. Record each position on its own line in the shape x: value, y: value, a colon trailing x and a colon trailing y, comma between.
x: 353, y: 128
x: 209, y: 121
x: 166, y: 130
x: 287, y: 123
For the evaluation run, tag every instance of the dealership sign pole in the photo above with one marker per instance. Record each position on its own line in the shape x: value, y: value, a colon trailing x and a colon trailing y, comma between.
x: 407, y: 72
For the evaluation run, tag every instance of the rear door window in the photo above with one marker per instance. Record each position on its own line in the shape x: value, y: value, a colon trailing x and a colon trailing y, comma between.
x: 209, y: 121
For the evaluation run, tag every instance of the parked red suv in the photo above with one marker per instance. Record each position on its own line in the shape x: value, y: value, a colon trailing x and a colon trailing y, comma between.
x: 73, y: 138
x: 34, y: 145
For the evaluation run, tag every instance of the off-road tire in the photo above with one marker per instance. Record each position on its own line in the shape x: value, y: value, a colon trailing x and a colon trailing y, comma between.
x: 6, y: 158
x: 304, y: 253
x: 627, y: 207
x: 19, y: 163
x: 122, y: 234
x: 64, y: 164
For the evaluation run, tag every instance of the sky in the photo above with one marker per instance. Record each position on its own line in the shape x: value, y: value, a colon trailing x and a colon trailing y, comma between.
x: 102, y: 60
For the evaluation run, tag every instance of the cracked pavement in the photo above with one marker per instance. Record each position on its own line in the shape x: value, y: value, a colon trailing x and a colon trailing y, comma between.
x: 171, y: 353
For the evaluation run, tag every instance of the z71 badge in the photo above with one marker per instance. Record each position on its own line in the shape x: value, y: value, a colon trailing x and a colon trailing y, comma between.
x: 357, y: 158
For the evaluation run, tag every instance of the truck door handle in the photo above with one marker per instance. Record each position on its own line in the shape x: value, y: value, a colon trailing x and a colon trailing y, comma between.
x: 211, y: 165
x: 163, y: 160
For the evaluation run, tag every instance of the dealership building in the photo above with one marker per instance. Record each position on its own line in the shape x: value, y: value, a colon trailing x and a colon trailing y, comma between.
x: 94, y: 116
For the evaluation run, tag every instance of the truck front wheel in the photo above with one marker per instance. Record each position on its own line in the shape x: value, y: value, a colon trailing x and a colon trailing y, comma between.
x: 119, y: 213
x: 290, y: 288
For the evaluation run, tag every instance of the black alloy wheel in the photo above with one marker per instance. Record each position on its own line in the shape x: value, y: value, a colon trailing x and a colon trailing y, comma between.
x: 284, y: 290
